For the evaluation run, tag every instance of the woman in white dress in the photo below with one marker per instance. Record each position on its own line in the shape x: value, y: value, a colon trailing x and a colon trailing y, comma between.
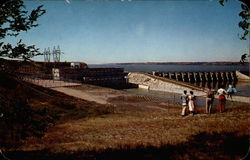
x: 191, y: 102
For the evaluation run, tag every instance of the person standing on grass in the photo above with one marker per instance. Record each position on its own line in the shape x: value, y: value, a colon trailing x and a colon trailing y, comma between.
x: 191, y: 102
x: 184, y: 99
x: 209, y: 100
x: 230, y: 91
x: 222, y: 98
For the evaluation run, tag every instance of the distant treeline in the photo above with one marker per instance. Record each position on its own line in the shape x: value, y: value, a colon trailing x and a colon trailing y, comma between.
x: 186, y: 63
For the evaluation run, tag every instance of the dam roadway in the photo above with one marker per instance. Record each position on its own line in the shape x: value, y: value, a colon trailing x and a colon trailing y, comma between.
x: 156, y: 83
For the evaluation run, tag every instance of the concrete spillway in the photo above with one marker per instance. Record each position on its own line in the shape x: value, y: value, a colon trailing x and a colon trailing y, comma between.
x: 218, y: 76
x: 151, y: 82
x: 242, y: 77
x: 161, y: 84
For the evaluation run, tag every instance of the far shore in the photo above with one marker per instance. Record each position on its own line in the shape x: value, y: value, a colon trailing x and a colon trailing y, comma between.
x: 187, y: 63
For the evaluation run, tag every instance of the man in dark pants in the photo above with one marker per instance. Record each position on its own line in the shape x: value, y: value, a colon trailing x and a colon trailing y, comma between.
x: 209, y: 100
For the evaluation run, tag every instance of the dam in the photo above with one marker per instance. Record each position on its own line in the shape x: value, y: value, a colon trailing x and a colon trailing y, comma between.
x: 215, y: 76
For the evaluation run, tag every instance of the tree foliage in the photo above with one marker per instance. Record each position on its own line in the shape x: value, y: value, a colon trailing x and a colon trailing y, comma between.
x: 14, y: 18
x: 243, y: 58
x: 245, y: 15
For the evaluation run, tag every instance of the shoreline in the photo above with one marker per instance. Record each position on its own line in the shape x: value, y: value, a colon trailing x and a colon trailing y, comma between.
x: 179, y: 63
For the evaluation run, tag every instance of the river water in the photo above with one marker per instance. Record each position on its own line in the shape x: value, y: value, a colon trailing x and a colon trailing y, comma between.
x: 243, y: 88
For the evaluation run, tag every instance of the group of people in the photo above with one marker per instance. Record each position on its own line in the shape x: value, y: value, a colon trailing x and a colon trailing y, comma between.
x: 188, y: 100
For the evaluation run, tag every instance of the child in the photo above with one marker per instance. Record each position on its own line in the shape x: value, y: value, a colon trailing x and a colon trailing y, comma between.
x: 230, y: 91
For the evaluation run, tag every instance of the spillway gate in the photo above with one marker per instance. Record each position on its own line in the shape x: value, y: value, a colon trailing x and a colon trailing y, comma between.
x: 215, y: 76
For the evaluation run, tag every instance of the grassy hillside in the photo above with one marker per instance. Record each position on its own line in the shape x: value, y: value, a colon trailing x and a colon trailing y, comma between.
x: 27, y: 110
x: 145, y: 136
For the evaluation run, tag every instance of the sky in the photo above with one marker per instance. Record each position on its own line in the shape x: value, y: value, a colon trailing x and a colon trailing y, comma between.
x: 97, y: 32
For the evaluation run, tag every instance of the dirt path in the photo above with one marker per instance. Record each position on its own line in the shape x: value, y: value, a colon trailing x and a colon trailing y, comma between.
x: 122, y: 100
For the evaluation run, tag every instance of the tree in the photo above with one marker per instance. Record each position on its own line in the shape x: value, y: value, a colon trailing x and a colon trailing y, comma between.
x: 15, y: 113
x: 14, y: 18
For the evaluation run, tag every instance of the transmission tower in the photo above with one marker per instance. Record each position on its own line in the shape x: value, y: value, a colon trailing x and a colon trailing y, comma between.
x: 46, y: 54
x: 56, y: 54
